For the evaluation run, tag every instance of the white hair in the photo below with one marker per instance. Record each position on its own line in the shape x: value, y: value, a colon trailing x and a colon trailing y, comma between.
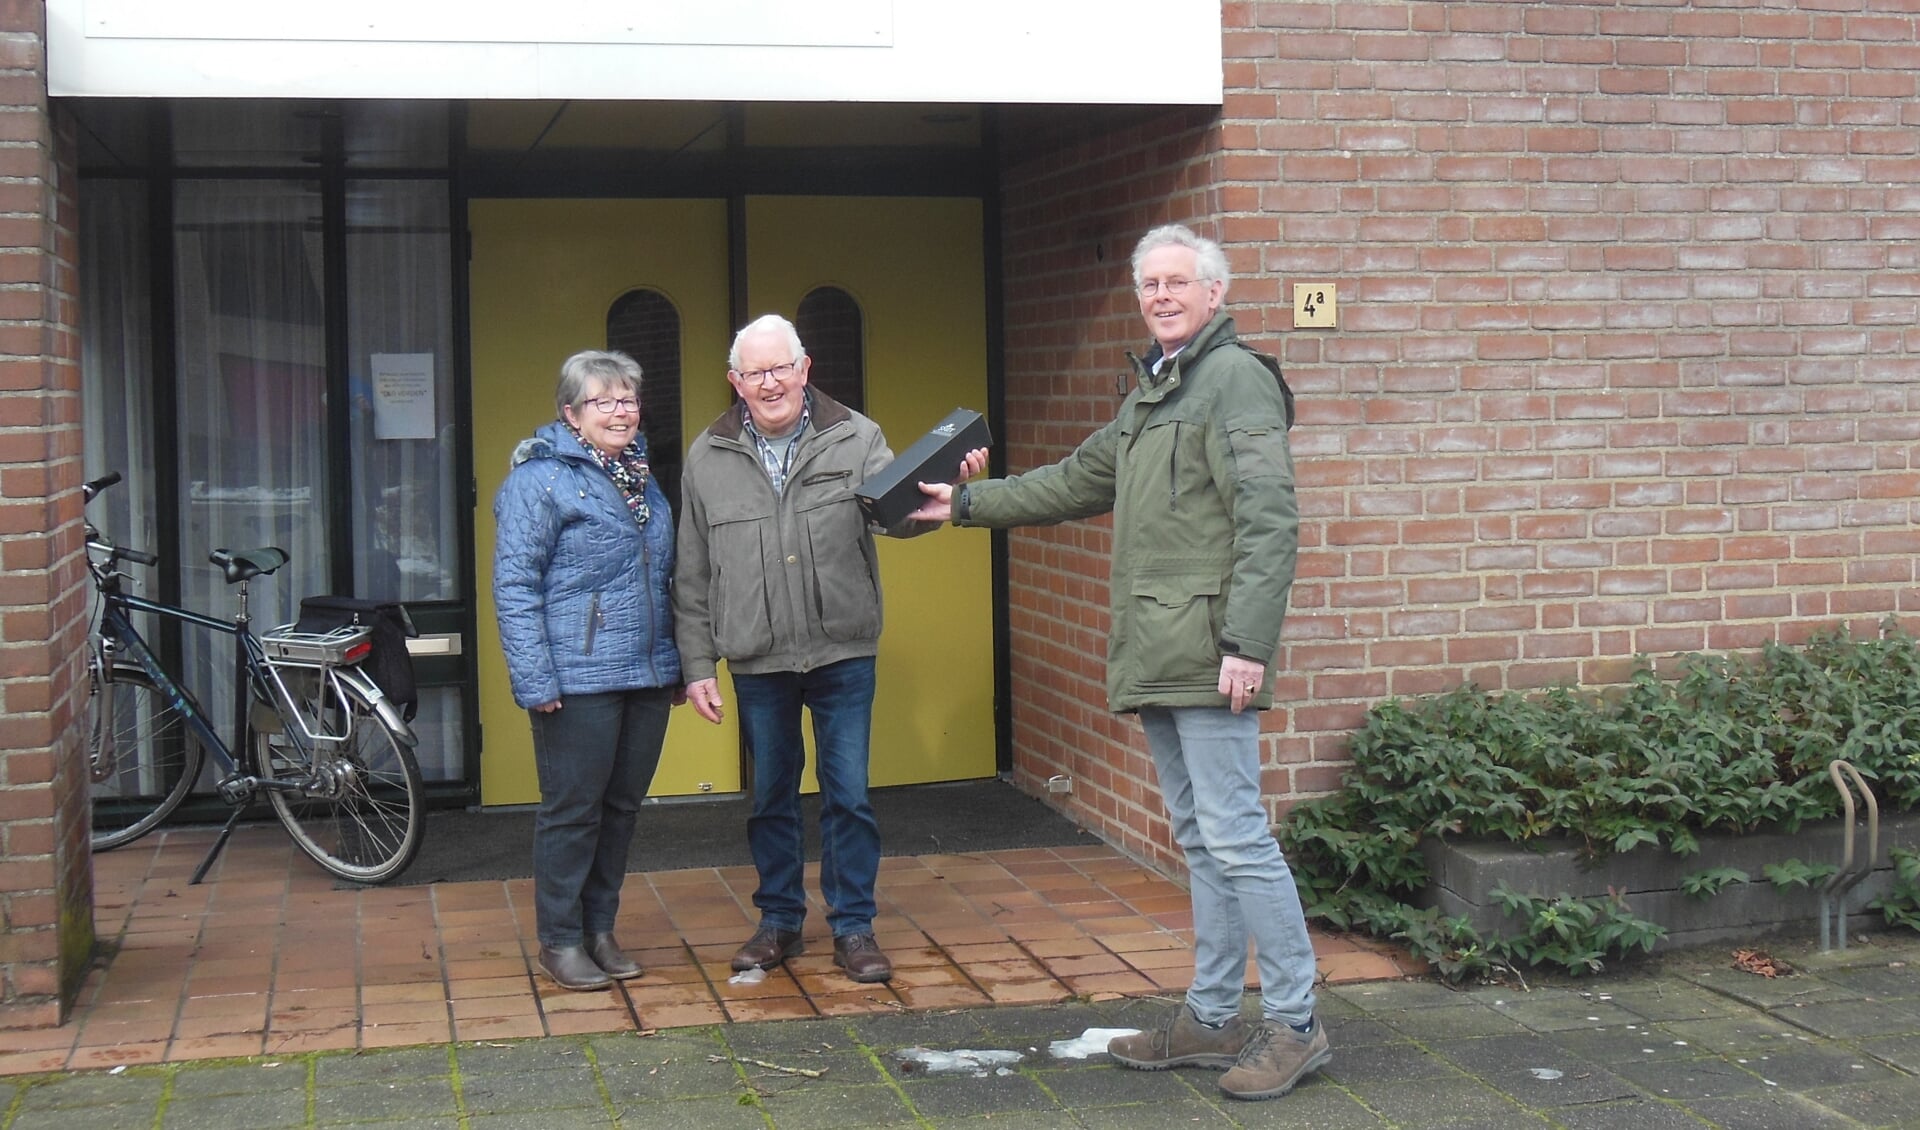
x: 1209, y: 261
x: 762, y: 324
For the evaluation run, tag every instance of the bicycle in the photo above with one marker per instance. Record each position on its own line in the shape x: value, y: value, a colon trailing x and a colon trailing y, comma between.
x: 312, y: 732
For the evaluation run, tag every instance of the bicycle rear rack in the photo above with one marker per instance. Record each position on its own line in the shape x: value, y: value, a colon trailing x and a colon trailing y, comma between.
x: 339, y: 647
x: 1833, y: 893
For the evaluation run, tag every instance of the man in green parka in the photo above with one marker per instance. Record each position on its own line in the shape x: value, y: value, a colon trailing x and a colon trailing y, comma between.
x: 1197, y: 473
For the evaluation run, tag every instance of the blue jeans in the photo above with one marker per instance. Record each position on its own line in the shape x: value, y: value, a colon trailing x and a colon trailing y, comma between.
x: 1208, y: 762
x: 595, y: 756
x: 840, y: 697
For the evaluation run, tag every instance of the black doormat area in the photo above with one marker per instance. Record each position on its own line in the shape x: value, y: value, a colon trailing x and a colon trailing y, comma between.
x: 950, y: 818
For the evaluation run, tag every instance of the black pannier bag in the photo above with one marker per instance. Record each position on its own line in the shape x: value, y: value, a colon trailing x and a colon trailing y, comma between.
x: 390, y: 666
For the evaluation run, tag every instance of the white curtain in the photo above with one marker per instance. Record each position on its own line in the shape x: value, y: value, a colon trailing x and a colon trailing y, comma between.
x: 251, y: 399
x: 116, y: 368
x: 399, y: 305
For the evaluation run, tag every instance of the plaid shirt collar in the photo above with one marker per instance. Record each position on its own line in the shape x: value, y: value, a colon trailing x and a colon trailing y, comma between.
x: 775, y: 460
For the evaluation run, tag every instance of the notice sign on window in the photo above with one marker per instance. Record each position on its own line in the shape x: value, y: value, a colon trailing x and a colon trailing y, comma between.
x: 403, y: 396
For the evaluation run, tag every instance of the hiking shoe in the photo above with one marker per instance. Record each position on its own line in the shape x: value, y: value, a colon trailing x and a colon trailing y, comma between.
x: 768, y: 947
x: 860, y: 956
x: 1182, y: 1041
x: 1275, y: 1059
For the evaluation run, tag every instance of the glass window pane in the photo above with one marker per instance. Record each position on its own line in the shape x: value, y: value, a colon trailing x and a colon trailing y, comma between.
x: 254, y: 132
x: 112, y: 132
x: 834, y: 332
x: 438, y: 726
x: 400, y: 383
x: 251, y: 399
x: 116, y: 347
x: 644, y: 325
x: 396, y: 134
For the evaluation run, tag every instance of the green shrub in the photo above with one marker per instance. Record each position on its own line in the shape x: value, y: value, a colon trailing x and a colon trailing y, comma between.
x: 1726, y: 744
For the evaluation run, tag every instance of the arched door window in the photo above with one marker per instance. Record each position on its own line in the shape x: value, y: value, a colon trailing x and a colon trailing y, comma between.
x: 834, y: 332
x: 644, y: 325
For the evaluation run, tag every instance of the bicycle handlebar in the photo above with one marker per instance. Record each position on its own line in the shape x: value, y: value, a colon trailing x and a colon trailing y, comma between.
x: 88, y: 490
x: 114, y: 552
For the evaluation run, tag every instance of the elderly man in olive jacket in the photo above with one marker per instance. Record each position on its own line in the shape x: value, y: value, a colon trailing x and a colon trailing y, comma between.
x: 1198, y: 476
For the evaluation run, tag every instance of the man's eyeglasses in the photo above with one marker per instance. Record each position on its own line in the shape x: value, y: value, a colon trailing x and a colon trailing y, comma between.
x: 607, y: 405
x: 759, y: 376
x: 1151, y: 287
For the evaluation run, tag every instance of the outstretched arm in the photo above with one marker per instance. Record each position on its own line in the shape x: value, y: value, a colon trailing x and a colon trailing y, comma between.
x: 939, y: 504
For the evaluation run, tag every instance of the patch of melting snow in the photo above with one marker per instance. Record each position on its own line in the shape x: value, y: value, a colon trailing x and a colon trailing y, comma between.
x: 1546, y: 1072
x: 978, y: 1064
x: 1091, y: 1042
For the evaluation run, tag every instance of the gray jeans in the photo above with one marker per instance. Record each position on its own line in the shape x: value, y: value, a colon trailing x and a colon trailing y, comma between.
x: 595, y: 756
x: 1208, y: 762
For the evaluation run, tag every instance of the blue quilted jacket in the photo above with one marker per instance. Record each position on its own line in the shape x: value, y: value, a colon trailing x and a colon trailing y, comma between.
x: 582, y: 592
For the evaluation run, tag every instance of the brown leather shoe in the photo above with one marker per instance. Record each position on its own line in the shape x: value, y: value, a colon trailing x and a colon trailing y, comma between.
x: 571, y: 968
x: 606, y: 953
x: 767, y: 948
x: 1275, y: 1059
x: 860, y: 956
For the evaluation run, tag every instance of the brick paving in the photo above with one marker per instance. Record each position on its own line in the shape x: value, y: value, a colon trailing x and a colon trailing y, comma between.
x: 1685, y: 1041
x: 269, y: 957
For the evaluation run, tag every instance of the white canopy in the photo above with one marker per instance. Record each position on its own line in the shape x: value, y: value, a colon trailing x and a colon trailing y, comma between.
x: 1164, y: 52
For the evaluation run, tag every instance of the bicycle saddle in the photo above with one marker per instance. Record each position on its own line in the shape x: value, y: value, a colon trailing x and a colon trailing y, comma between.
x: 246, y: 564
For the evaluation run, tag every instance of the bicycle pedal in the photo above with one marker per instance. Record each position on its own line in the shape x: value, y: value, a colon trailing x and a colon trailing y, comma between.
x: 236, y: 790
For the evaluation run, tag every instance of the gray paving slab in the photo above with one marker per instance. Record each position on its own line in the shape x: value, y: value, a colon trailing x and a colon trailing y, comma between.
x: 1771, y: 1111
x: 406, y: 1099
x: 95, y: 1089
x: 259, y: 1110
x: 1195, y: 1113
x: 1902, y: 1052
x: 1884, y: 1102
x: 968, y: 1096
x: 1317, y: 1103
x: 115, y: 1117
x: 1629, y: 1114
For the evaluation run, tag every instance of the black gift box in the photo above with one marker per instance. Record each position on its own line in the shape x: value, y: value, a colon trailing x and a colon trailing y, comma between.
x: 894, y: 491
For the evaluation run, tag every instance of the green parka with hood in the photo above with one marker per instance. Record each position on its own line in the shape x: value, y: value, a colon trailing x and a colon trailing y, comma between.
x: 1198, y: 475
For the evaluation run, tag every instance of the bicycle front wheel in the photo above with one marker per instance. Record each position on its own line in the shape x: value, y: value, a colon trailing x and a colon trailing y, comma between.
x: 360, y: 808
x: 141, y: 757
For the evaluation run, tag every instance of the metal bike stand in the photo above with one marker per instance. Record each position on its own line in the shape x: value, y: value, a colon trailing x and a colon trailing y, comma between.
x: 1833, y: 892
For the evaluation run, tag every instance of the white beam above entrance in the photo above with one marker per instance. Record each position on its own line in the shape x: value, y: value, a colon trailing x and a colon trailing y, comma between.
x: 1163, y: 52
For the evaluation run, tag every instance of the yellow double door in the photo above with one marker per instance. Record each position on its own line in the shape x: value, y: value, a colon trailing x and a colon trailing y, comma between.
x: 544, y: 275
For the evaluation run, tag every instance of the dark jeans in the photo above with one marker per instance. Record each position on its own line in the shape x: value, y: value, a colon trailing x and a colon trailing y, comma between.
x: 596, y: 756
x: 840, y: 697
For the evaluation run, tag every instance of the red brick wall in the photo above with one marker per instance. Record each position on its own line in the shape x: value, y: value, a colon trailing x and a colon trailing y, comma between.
x: 46, y: 885
x: 1628, y: 359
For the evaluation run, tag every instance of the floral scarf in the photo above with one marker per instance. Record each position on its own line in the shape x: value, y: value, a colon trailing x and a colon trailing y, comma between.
x: 628, y: 470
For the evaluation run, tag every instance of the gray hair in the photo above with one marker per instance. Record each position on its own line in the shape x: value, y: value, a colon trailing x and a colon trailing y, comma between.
x: 762, y: 324
x: 1209, y: 260
x: 614, y: 370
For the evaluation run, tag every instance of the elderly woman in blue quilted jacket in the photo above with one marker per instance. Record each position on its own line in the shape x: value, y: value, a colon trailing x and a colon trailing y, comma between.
x: 582, y: 558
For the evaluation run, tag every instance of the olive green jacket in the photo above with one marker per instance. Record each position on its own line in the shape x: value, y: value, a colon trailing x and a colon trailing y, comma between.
x: 1198, y: 475
x: 786, y: 582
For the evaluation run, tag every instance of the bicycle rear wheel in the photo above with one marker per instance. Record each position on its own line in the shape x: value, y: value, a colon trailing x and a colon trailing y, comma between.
x: 362, y: 810
x: 155, y: 758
